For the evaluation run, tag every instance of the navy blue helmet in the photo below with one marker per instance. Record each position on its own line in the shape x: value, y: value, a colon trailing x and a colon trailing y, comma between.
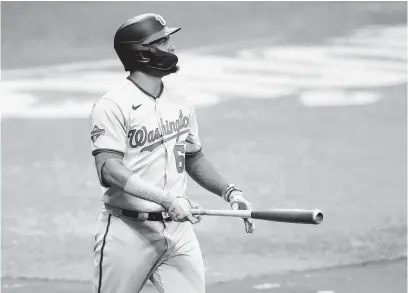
x: 134, y: 43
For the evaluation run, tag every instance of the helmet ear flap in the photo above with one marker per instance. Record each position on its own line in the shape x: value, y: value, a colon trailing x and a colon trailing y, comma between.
x: 141, y: 58
x: 162, y: 60
x: 134, y: 56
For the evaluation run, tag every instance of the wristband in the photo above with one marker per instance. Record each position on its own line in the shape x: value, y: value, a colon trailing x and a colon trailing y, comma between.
x: 227, y: 192
x: 140, y: 188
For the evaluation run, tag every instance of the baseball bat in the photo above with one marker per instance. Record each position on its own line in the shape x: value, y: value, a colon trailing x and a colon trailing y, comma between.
x: 298, y: 216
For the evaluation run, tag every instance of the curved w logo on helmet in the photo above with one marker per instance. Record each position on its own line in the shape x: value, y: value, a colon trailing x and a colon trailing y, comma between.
x: 160, y: 19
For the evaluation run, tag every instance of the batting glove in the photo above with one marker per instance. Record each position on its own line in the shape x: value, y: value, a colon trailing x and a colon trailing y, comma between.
x: 180, y: 210
x: 237, y: 200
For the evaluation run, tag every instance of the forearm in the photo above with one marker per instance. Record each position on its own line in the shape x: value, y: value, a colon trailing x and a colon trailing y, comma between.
x: 116, y: 174
x: 203, y: 172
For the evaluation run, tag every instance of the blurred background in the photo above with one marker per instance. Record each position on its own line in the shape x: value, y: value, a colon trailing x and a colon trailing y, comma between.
x: 301, y: 104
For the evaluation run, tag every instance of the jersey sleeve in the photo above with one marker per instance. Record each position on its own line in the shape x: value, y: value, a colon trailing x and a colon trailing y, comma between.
x: 108, y: 128
x: 193, y: 142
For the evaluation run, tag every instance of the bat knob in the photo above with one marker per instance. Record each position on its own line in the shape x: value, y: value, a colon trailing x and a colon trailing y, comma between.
x: 317, y: 216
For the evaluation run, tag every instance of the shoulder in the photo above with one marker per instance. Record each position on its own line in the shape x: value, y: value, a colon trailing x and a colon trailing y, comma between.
x: 179, y: 97
x: 119, y: 98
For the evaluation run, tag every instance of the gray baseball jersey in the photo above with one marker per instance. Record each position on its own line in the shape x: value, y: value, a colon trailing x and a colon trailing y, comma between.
x: 153, y: 135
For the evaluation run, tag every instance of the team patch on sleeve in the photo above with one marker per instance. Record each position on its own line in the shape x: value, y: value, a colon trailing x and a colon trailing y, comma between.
x: 96, y: 132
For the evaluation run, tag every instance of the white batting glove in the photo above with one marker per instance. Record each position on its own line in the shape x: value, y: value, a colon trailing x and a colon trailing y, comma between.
x: 238, y: 201
x: 180, y: 210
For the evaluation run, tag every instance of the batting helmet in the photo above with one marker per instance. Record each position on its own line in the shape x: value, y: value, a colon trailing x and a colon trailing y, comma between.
x: 133, y: 43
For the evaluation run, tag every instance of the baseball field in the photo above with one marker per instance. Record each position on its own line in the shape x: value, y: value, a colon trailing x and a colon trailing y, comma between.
x: 301, y: 104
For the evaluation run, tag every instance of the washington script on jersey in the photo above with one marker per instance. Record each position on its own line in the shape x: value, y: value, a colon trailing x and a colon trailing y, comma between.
x: 139, y: 137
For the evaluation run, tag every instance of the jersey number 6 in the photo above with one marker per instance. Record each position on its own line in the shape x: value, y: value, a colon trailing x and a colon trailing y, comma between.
x: 179, y: 153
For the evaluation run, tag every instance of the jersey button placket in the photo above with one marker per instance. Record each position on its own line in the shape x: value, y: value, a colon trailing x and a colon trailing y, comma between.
x: 158, y: 117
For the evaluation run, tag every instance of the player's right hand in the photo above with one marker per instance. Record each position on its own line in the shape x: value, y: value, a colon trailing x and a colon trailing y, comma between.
x: 180, y: 210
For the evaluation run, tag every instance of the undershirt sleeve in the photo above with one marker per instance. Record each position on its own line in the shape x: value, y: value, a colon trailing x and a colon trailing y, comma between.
x: 193, y: 142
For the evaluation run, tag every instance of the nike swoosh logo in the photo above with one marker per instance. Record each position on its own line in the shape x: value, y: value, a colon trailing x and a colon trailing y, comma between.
x: 135, y: 107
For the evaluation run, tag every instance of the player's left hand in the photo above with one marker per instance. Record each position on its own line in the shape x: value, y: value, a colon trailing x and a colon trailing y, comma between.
x: 195, y: 205
x: 239, y: 202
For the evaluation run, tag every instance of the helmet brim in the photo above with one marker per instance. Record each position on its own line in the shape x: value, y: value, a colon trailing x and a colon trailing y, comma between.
x: 171, y: 30
x: 166, y: 31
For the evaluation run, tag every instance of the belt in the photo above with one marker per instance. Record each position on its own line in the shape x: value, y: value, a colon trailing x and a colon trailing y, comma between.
x: 153, y: 216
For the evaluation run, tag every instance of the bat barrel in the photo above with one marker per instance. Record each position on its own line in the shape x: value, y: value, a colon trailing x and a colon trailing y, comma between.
x: 290, y: 216
x: 317, y: 216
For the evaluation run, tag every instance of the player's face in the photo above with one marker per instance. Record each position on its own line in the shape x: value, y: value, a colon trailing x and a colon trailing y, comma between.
x: 164, y: 44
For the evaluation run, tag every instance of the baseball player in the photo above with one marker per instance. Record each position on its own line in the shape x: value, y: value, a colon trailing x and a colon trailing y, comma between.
x: 145, y: 141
